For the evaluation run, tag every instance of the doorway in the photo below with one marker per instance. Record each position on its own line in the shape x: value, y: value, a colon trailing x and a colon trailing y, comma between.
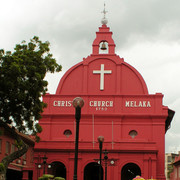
x: 91, y: 171
x: 130, y: 171
x: 11, y: 174
x: 57, y: 169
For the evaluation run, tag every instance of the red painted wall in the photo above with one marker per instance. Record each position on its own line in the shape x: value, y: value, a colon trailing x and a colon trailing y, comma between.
x: 122, y: 105
x: 24, y: 164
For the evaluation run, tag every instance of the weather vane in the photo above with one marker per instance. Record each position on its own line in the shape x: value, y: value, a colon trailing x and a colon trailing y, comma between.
x: 104, y: 20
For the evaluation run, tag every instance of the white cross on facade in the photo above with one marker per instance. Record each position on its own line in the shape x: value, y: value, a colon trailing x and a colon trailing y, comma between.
x: 102, y: 72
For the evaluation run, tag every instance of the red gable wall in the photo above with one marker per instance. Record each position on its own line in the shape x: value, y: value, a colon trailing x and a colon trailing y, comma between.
x: 124, y: 79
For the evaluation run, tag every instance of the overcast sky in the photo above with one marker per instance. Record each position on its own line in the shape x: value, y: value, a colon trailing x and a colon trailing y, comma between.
x: 146, y: 33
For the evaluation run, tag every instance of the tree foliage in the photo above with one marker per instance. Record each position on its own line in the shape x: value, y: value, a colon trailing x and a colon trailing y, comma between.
x: 22, y: 83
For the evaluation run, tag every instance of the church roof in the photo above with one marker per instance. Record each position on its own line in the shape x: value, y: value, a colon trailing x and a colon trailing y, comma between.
x: 102, y: 68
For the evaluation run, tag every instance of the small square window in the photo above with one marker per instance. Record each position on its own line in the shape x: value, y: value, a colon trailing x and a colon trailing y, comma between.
x: 169, y: 159
x: 7, y: 147
x: 12, y: 148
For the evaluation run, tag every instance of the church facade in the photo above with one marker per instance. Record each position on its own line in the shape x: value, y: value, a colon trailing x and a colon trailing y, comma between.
x: 117, y: 105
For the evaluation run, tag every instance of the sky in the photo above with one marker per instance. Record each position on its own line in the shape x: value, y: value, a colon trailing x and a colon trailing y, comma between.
x: 146, y: 33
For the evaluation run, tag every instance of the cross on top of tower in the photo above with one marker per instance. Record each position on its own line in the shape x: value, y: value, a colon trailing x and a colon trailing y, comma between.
x: 104, y: 11
x: 104, y: 20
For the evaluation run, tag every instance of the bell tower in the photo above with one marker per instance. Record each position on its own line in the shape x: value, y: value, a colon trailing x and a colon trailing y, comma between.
x: 103, y: 44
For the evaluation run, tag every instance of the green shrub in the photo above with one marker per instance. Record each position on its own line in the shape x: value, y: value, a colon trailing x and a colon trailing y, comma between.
x: 59, y: 178
x: 2, y: 168
x: 46, y: 177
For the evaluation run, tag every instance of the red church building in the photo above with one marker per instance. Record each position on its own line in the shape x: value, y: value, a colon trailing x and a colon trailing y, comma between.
x: 117, y: 105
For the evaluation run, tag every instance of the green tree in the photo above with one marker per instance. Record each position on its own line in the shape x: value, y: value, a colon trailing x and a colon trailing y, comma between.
x: 22, y: 85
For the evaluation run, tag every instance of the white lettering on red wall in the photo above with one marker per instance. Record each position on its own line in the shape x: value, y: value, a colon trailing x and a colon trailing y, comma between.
x: 101, y: 103
x: 137, y: 104
x: 62, y: 103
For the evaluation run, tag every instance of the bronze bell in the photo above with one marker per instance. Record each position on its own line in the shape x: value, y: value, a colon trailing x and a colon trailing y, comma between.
x: 103, y: 47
